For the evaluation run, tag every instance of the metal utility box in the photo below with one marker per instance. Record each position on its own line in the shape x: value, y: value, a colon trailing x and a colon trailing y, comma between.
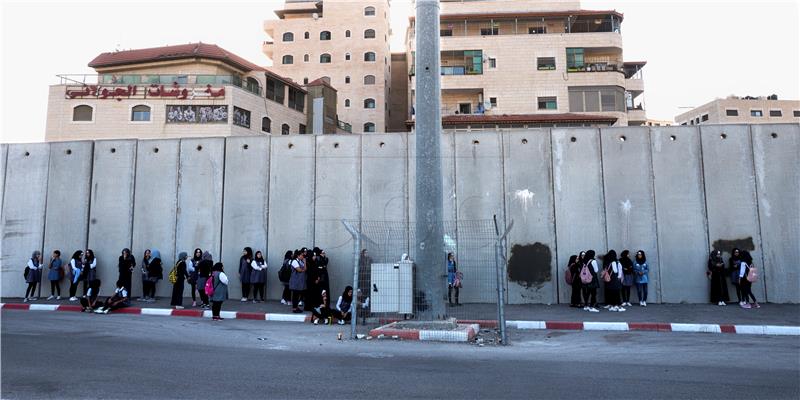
x: 392, y: 287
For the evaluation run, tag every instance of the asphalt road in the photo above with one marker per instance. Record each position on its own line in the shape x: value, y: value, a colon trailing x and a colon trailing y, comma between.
x: 72, y: 355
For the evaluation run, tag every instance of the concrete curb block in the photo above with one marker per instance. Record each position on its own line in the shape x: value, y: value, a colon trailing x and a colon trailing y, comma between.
x: 658, y: 327
x: 466, y: 335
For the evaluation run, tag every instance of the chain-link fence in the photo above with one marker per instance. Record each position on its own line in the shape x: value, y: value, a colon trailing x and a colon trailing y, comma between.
x: 389, y: 286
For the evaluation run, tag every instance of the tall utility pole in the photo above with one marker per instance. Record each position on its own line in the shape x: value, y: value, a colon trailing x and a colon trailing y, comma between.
x: 429, y: 229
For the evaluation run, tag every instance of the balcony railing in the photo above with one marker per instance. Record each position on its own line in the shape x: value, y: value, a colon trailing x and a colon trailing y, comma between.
x: 186, y: 80
x: 344, y: 126
x: 595, y: 67
x: 528, y: 26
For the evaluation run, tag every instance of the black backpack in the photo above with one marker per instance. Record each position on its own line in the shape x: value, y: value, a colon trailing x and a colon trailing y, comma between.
x: 26, y: 272
x: 285, y: 273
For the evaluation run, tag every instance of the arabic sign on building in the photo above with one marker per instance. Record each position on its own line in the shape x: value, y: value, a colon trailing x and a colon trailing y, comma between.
x: 194, y: 114
x: 174, y: 91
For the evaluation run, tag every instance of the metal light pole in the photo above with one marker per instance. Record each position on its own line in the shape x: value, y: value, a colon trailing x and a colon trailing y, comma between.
x: 429, y: 228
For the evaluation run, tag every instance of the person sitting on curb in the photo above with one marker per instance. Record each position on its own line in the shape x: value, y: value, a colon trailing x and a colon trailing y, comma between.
x: 343, y: 306
x: 120, y: 299
x: 322, y: 313
x: 89, y: 301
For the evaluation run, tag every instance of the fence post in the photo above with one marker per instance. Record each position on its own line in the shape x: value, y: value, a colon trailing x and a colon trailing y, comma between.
x: 356, y: 267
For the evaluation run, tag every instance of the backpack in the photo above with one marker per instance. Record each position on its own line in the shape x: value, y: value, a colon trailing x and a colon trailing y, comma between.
x: 26, y: 272
x: 606, y: 275
x: 586, y: 275
x: 209, y: 286
x: 752, y: 274
x: 173, y: 274
x: 458, y: 281
x: 285, y: 273
x: 568, y: 276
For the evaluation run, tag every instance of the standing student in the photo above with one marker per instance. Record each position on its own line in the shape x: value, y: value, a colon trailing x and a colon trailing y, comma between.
x: 452, y: 271
x: 640, y: 271
x: 733, y: 265
x: 204, y: 274
x: 573, y: 266
x: 89, y: 269
x: 127, y: 263
x: 89, y: 300
x: 34, y: 276
x: 284, y: 275
x: 746, y: 286
x: 321, y: 266
x: 177, y: 287
x: 590, y: 289
x: 627, y: 276
x: 76, y: 270
x: 244, y: 272
x: 613, y: 287
x: 191, y: 268
x: 155, y: 272
x: 120, y: 299
x: 297, y: 283
x: 220, y: 283
x: 344, y: 306
x: 258, y: 277
x: 716, y: 275
x: 146, y: 258
x: 56, y: 272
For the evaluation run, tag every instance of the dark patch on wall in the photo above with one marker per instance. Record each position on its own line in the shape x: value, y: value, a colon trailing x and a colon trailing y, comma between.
x: 529, y: 264
x: 726, y: 246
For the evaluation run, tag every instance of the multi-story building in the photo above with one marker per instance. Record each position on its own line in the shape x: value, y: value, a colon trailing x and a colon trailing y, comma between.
x: 531, y: 63
x: 190, y: 90
x: 743, y: 110
x: 344, y: 42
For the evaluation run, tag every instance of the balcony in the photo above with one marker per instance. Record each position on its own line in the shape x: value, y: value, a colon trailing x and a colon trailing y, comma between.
x: 344, y: 126
x: 267, y: 48
x: 636, y: 115
x: 453, y: 26
x: 634, y: 85
x: 154, y: 85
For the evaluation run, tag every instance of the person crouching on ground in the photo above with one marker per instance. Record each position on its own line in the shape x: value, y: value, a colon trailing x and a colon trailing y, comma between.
x: 120, y: 299
x: 321, y: 313
x: 220, y: 283
x: 89, y: 301
x: 344, y: 306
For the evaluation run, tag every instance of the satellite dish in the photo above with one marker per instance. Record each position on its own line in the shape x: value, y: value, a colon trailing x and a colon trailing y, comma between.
x: 315, y: 16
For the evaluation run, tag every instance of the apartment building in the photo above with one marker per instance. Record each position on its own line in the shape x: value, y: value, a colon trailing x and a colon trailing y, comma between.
x: 191, y: 90
x: 743, y: 110
x: 530, y: 63
x: 343, y: 42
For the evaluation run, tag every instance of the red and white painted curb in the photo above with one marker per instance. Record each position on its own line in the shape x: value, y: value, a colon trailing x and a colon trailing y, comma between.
x: 659, y: 327
x: 466, y: 333
x: 167, y: 312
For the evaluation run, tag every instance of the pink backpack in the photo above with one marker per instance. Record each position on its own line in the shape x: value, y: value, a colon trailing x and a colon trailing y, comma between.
x: 752, y: 274
x: 210, y: 286
x: 586, y: 276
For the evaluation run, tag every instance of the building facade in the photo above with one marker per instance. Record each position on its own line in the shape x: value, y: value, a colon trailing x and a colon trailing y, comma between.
x: 546, y: 63
x: 346, y: 43
x: 743, y: 110
x: 191, y: 90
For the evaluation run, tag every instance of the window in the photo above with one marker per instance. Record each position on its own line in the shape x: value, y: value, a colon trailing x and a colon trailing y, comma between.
x: 445, y: 32
x: 369, y: 34
x: 369, y: 56
x: 732, y: 113
x: 796, y: 113
x: 82, y: 113
x: 252, y: 86
x: 302, y: 129
x: 285, y: 129
x: 347, y: 57
x: 305, y: 81
x: 288, y: 37
x: 490, y: 31
x: 347, y: 103
x: 347, y: 79
x: 464, y: 108
x: 369, y: 103
x: 287, y: 59
x: 775, y: 113
x: 704, y: 117
x: 275, y: 90
x: 325, y: 58
x: 574, y: 59
x: 462, y: 62
x: 369, y: 79
x: 241, y: 117
x: 139, y: 113
x: 493, y: 101
x: 325, y: 35
x: 546, y: 63
x: 266, y: 125
x: 369, y: 11
x: 492, y: 62
x: 596, y: 98
x: 756, y: 113
x: 547, y: 103
x: 369, y: 127
x: 347, y: 33
x: 697, y: 120
x: 533, y: 30
x: 297, y: 99
x: 305, y: 58
x: 306, y: 35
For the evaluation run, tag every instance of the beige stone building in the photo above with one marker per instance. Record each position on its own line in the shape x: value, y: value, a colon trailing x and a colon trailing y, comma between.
x: 344, y: 41
x: 191, y: 90
x: 743, y: 110
x: 529, y: 63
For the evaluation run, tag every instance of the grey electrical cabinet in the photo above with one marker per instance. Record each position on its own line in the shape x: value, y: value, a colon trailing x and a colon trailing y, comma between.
x: 392, y: 288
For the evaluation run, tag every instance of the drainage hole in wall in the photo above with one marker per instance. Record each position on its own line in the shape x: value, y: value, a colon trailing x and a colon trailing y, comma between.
x: 573, y: 139
x: 245, y: 147
x: 672, y: 138
x: 199, y: 147
x: 476, y: 142
x: 155, y: 149
x: 622, y: 138
x: 27, y: 154
x: 723, y: 136
x: 774, y: 135
x: 524, y: 141
x: 291, y: 145
x: 113, y: 150
x: 69, y: 151
x: 382, y: 144
x: 336, y: 145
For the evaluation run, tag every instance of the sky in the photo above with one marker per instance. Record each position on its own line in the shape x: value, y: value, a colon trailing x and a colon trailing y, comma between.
x: 696, y: 51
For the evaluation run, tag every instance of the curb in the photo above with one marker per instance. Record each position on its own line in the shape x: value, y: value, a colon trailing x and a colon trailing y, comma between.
x: 658, y: 327
x: 165, y: 312
x: 467, y: 333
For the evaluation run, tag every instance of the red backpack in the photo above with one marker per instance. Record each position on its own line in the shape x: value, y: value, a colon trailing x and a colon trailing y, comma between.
x: 586, y: 275
x: 568, y: 276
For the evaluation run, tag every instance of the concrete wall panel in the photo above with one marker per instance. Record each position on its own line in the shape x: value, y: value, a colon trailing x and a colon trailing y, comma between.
x: 731, y: 203
x: 338, y: 196
x: 384, y: 178
x: 291, y: 200
x: 155, y: 206
x: 630, y: 203
x: 680, y: 214
x: 245, y: 207
x: 3, y: 157
x: 199, y: 216
x: 775, y: 151
x: 23, y: 212
x: 68, y: 188
x: 529, y: 203
x: 479, y: 196
x: 578, y: 194
x: 111, y: 208
x: 448, y: 181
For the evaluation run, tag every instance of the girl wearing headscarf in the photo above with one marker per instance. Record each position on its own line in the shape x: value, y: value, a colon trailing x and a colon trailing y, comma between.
x: 155, y: 272
x: 452, y: 270
x: 640, y: 271
x: 244, y: 272
x: 574, y: 269
x: 258, y: 277
x: 55, y: 275
x: 177, y: 287
x: 220, y: 282
x: 733, y: 265
x: 34, y: 275
x: 614, y: 269
x: 344, y: 306
x: 746, y: 286
x: 127, y: 263
x: 76, y: 270
x: 627, y: 276
x: 590, y: 289
x: 321, y: 313
x: 716, y: 275
x: 146, y: 258
x: 191, y: 268
x: 284, y: 275
x: 203, y: 274
x: 297, y: 283
x: 89, y: 269
x: 321, y: 267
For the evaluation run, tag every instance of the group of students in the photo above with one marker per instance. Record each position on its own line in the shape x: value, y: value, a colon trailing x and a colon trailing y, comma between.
x: 742, y: 274
x: 82, y: 267
x: 618, y: 275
